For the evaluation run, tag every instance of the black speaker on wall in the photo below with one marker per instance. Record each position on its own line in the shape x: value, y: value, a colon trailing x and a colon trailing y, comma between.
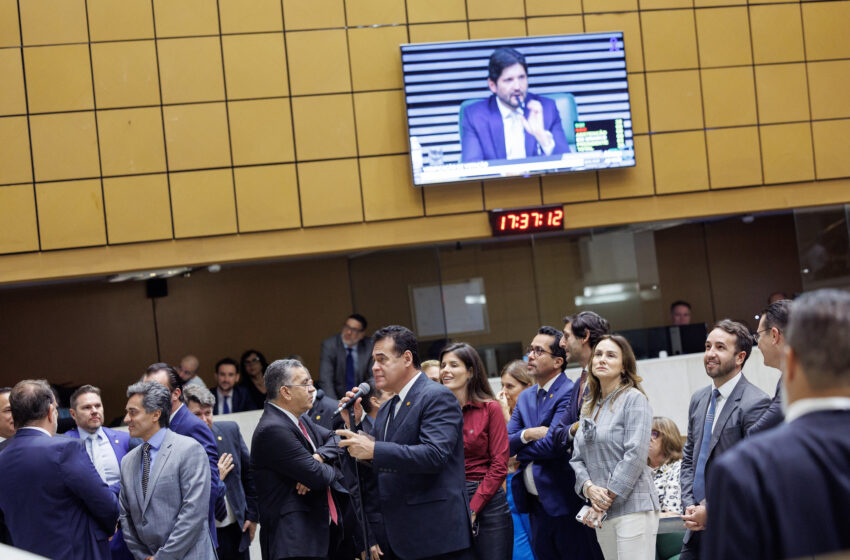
x: 156, y: 287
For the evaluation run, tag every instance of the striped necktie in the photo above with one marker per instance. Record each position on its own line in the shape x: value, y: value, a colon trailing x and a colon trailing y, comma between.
x: 146, y: 467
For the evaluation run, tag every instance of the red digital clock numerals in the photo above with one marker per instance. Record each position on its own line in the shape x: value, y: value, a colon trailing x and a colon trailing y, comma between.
x: 527, y: 220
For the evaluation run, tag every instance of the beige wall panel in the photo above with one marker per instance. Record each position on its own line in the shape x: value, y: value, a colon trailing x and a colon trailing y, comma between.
x: 10, y: 33
x: 680, y: 163
x: 388, y: 190
x: 131, y: 141
x: 255, y: 65
x: 125, y: 74
x: 70, y: 214
x: 830, y: 141
x: 629, y: 24
x: 58, y: 78
x: 433, y: 32
x: 203, y: 203
x: 13, y: 100
x: 261, y: 131
x: 267, y: 197
x: 723, y: 37
x: 421, y: 11
x: 381, y: 125
x: 630, y: 181
x: 376, y: 57
x: 128, y: 19
x: 734, y: 157
x: 374, y: 12
x: 190, y: 69
x: 324, y: 127
x: 552, y: 7
x: 825, y: 25
x: 553, y: 25
x: 491, y: 9
x: 829, y: 84
x: 494, y: 29
x: 453, y: 198
x: 728, y: 96
x: 596, y: 6
x: 638, y: 104
x: 17, y: 214
x: 313, y: 14
x: 196, y: 136
x: 669, y: 40
x: 15, y: 162
x: 512, y: 193
x: 787, y: 153
x: 783, y: 93
x: 330, y: 192
x: 137, y: 208
x: 777, y: 33
x: 182, y: 18
x: 248, y: 16
x: 51, y: 22
x: 64, y: 146
x: 675, y: 100
x: 318, y: 62
x: 570, y: 187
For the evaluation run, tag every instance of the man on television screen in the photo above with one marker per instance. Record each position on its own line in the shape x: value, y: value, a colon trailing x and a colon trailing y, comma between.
x: 512, y: 123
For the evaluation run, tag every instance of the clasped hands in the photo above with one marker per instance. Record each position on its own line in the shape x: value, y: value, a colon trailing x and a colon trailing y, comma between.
x: 601, y: 499
x: 695, y: 517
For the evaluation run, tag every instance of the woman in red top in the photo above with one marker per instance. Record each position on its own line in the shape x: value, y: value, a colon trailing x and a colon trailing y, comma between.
x: 485, y: 450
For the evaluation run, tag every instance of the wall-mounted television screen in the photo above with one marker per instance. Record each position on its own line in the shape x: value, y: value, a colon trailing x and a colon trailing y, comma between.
x: 517, y: 107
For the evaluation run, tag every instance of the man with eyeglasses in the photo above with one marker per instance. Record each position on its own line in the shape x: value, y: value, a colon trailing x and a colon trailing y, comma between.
x: 299, y: 489
x: 346, y: 358
x: 542, y: 488
x: 770, y: 338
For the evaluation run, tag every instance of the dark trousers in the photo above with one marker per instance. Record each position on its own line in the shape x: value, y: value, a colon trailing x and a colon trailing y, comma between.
x: 229, y: 538
x: 458, y: 555
x: 558, y: 537
x: 690, y: 548
x: 495, y: 531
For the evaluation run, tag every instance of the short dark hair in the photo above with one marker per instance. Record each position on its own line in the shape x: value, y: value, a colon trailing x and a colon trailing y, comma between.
x: 82, y: 391
x: 502, y: 58
x: 359, y: 318
x: 818, y: 328
x: 174, y: 379
x: 263, y: 361
x: 677, y: 303
x: 743, y: 338
x: 555, y: 348
x: 776, y: 315
x: 588, y: 322
x: 228, y: 361
x: 403, y: 340
x: 30, y: 401
x: 479, y: 389
x: 154, y: 397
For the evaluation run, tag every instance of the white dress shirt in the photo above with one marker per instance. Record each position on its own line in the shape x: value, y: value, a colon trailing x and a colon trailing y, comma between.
x: 805, y: 406
x: 514, y: 131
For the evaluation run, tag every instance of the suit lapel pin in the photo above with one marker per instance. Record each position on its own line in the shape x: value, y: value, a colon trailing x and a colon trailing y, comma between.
x: 551, y: 395
x: 407, y: 403
x: 219, y: 438
x: 318, y: 417
x: 116, y: 441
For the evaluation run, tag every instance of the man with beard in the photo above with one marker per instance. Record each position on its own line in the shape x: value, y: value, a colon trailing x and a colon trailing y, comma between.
x: 512, y: 123
x: 719, y: 416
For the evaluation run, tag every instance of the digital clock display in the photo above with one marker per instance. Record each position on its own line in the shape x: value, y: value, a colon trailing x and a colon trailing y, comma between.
x: 527, y: 220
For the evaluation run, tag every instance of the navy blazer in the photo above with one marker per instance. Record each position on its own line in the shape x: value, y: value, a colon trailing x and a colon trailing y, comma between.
x: 120, y: 442
x: 292, y: 524
x: 239, y: 483
x: 785, y: 494
x: 332, y: 365
x: 55, y: 502
x: 553, y: 476
x: 187, y: 424
x: 420, y: 473
x: 483, y: 134
x: 773, y: 416
x: 240, y: 399
x: 323, y: 410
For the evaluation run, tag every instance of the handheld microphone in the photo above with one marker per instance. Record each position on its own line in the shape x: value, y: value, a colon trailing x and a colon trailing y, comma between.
x: 521, y: 102
x: 363, y: 391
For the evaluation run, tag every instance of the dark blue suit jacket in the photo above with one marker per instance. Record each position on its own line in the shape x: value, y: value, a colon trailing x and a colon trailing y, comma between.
x: 240, y: 400
x: 483, y: 135
x: 420, y: 472
x: 120, y: 442
x: 187, y: 424
x: 239, y: 483
x: 553, y: 476
x: 773, y: 416
x: 56, y: 505
x: 784, y: 493
x: 293, y: 524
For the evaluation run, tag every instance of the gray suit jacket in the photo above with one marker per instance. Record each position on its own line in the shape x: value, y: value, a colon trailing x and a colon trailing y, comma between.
x: 332, y: 365
x: 743, y: 409
x: 170, y: 522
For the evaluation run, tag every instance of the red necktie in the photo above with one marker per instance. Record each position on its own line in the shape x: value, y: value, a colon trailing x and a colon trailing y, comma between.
x: 331, y: 504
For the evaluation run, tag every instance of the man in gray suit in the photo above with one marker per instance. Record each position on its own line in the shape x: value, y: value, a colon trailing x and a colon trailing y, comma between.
x: 165, y: 484
x: 345, y: 359
x: 719, y: 417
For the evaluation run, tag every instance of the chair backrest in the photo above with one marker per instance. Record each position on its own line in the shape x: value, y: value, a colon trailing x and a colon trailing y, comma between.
x: 565, y: 102
x: 668, y: 545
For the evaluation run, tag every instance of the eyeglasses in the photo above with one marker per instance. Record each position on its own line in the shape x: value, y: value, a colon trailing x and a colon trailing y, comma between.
x: 536, y: 351
x: 308, y: 384
x: 654, y: 434
x: 757, y: 335
x: 252, y: 360
x: 349, y: 328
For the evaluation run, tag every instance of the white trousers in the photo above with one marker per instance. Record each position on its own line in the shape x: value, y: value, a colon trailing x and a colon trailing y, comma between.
x: 629, y: 537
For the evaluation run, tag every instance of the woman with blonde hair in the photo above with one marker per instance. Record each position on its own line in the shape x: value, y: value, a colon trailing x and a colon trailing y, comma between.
x: 609, y: 454
x: 665, y: 460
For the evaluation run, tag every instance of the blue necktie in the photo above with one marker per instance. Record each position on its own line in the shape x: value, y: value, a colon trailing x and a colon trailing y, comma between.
x: 699, y: 474
x: 541, y: 396
x: 349, y: 369
x: 227, y: 405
